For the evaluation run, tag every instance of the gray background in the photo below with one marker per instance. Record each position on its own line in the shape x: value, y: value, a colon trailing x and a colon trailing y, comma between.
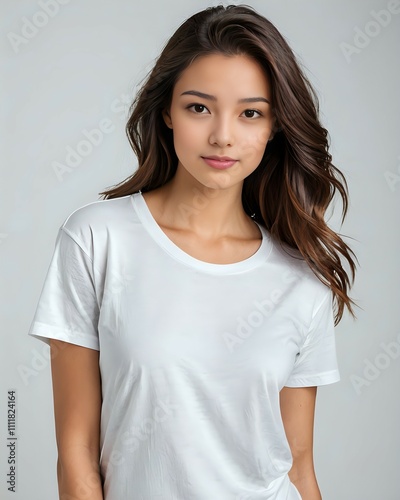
x: 83, y: 66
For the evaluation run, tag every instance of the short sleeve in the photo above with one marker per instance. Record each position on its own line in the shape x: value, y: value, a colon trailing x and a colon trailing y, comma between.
x: 316, y: 363
x: 67, y: 309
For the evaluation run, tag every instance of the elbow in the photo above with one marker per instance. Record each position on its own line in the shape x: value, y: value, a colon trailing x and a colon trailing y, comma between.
x: 302, y: 475
x: 303, y: 465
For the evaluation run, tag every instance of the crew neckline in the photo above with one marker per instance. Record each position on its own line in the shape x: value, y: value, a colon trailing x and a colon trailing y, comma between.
x: 152, y: 227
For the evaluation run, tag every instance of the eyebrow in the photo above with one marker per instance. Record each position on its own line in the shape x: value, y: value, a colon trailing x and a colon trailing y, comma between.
x: 213, y: 98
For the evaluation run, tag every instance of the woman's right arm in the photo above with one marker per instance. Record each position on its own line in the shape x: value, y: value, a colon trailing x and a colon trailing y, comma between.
x: 77, y: 409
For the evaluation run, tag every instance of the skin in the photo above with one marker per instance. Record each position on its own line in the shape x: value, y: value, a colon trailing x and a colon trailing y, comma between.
x: 220, y: 228
x: 220, y: 231
x: 217, y: 230
x: 298, y: 410
x: 77, y: 398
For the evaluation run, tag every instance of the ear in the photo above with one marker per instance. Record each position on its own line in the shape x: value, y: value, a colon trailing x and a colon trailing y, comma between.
x: 275, y: 128
x: 167, y: 118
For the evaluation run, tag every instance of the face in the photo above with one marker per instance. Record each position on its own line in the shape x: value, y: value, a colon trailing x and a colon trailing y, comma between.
x: 216, y: 123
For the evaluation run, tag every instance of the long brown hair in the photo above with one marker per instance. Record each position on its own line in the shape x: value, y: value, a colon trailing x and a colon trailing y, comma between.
x: 294, y: 183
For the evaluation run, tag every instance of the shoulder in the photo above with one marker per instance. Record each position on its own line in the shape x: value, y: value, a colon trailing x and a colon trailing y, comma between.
x: 297, y: 273
x: 92, y: 221
x: 96, y: 213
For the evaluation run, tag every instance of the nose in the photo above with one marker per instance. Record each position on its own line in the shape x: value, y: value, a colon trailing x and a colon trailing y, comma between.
x: 222, y: 132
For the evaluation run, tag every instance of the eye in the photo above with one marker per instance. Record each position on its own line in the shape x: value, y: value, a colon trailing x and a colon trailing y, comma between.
x: 201, y: 106
x: 252, y: 111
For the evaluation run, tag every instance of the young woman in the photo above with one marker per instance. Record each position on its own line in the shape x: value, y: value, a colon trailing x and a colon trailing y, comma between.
x: 191, y: 312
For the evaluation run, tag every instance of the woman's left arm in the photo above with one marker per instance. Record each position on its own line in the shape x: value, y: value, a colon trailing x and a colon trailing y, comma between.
x: 298, y: 409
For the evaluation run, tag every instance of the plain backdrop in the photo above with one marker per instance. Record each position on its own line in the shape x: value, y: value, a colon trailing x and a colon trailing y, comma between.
x: 80, y: 70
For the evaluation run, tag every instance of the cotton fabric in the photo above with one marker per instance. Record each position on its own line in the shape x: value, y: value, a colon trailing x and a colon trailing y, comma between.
x: 192, y: 354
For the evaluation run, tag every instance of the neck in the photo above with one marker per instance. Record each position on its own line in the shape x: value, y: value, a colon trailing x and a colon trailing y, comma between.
x: 185, y: 204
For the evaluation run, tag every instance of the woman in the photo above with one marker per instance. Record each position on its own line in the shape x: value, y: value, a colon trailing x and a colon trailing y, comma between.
x: 190, y: 312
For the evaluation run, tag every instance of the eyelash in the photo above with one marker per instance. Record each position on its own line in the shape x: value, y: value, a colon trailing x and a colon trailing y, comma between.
x: 203, y: 106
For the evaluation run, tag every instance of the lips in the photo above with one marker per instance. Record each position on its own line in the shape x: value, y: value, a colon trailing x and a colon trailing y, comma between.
x: 219, y: 158
x: 220, y: 162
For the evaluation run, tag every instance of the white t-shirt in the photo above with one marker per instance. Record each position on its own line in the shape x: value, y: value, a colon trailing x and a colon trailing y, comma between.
x: 192, y: 354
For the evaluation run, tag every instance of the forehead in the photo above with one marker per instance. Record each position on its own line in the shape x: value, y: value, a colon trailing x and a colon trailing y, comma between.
x: 241, y: 75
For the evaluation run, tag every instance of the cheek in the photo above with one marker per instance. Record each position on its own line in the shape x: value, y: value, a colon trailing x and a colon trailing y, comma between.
x: 185, y: 136
x: 255, y: 142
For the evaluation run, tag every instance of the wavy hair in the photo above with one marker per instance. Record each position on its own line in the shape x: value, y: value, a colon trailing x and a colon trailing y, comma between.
x: 290, y: 190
